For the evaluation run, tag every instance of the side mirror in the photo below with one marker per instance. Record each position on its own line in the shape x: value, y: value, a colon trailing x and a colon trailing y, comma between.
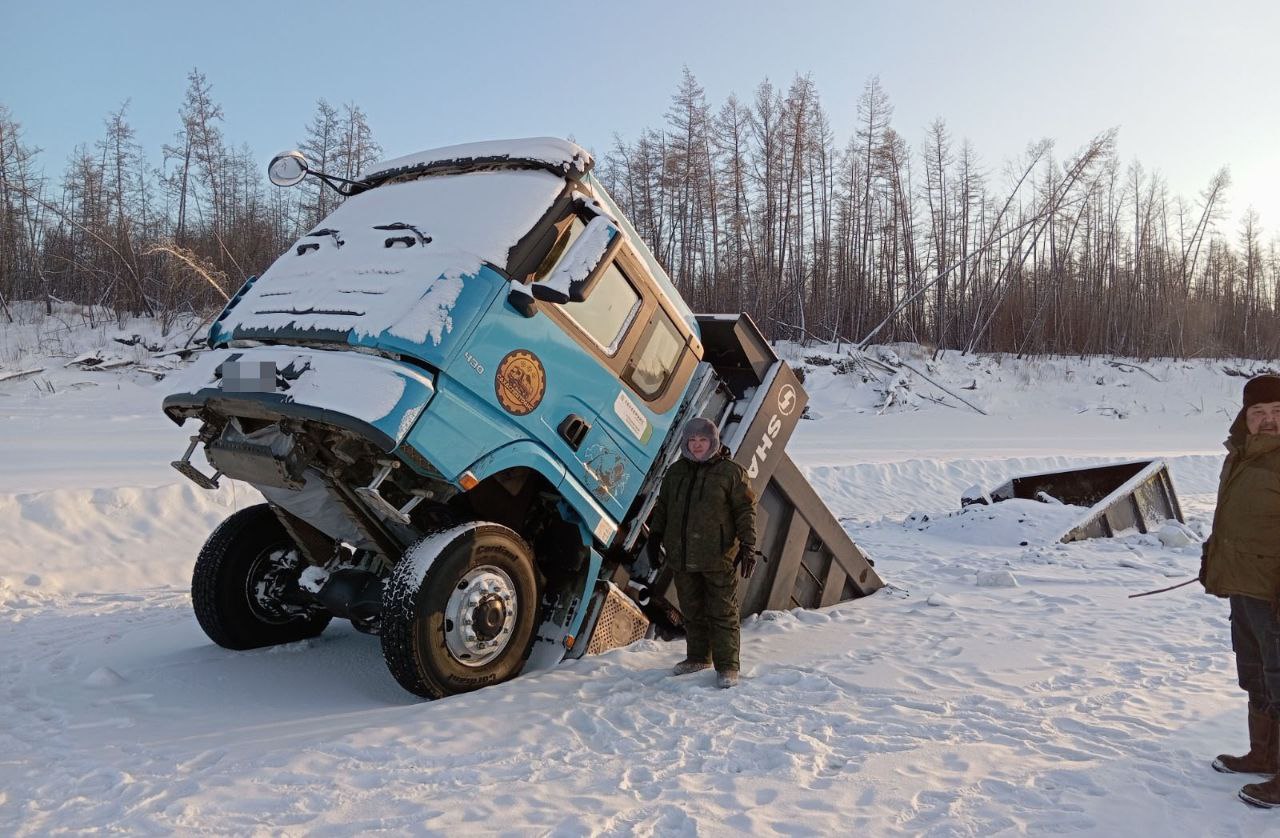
x: 568, y: 282
x: 288, y: 168
x: 521, y: 300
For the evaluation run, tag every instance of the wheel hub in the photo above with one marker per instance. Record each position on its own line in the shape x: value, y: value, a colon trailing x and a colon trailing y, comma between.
x: 265, y: 584
x: 480, y: 616
x: 488, y: 617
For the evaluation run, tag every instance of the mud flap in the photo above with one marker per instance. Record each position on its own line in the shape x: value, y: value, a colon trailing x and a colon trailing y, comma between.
x: 564, y: 612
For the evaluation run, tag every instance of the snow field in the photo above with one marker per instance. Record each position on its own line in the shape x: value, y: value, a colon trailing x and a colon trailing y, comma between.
x: 949, y: 709
x: 1041, y: 700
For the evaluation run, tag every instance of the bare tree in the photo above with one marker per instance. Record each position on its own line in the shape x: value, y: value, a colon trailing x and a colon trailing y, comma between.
x: 357, y: 149
x: 323, y: 147
x: 20, y: 219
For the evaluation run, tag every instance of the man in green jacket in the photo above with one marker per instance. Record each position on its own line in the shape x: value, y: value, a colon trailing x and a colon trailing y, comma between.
x: 705, y: 520
x: 1241, y: 561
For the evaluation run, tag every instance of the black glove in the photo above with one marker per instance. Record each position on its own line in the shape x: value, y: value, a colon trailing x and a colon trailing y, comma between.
x: 653, y: 549
x: 745, y: 561
x: 1204, y: 564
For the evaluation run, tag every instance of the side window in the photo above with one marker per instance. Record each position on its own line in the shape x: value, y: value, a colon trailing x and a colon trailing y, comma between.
x: 607, y: 310
x: 657, y: 357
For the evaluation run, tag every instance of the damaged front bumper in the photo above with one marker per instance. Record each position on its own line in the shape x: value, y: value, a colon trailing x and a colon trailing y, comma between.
x: 374, y: 397
x: 236, y: 390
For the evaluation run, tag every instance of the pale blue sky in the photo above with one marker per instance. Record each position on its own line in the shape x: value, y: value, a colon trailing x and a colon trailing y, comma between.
x: 1191, y: 85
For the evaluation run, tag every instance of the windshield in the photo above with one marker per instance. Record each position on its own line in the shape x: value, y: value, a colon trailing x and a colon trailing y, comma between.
x: 399, y: 262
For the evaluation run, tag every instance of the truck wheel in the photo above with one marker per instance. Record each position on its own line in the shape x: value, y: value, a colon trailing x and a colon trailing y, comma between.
x: 238, y: 582
x: 460, y: 610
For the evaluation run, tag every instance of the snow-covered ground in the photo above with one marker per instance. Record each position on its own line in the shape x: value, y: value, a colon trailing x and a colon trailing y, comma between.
x: 939, y: 706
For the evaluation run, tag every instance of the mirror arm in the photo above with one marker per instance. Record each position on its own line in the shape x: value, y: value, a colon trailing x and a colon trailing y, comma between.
x: 335, y: 183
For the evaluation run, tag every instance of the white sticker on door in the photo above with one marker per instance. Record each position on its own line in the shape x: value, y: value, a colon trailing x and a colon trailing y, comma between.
x: 633, y: 418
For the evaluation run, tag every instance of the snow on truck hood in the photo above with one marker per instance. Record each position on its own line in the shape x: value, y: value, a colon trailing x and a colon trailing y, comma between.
x: 369, y: 282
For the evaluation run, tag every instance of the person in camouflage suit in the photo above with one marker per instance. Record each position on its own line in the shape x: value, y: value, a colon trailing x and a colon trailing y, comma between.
x: 1241, y: 561
x: 705, y: 520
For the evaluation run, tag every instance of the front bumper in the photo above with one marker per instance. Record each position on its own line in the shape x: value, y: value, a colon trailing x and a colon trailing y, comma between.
x: 375, y: 397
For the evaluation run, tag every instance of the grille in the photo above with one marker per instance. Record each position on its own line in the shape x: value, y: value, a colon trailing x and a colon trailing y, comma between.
x: 621, y: 622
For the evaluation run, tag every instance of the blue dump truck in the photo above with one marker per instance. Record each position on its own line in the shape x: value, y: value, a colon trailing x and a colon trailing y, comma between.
x: 458, y: 395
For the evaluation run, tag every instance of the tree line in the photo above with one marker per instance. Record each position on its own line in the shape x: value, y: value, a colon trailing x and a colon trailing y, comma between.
x: 752, y: 206
x: 123, y: 234
x: 757, y: 206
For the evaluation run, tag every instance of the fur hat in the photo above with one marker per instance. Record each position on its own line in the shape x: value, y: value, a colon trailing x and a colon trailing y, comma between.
x: 700, y: 426
x: 1262, y: 389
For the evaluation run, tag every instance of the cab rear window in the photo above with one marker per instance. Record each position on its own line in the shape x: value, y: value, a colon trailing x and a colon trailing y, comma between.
x: 657, y: 357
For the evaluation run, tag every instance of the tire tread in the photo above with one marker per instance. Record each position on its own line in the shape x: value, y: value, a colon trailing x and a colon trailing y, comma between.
x: 400, y: 634
x: 258, y: 526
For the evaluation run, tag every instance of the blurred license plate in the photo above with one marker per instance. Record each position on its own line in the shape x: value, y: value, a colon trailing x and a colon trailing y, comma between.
x: 248, y: 376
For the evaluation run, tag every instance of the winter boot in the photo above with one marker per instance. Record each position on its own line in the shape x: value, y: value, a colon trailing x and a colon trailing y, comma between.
x: 1262, y: 756
x: 726, y: 678
x: 686, y: 666
x: 1265, y: 795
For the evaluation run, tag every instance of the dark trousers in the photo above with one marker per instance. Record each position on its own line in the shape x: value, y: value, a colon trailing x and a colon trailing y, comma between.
x: 1255, y: 638
x: 709, y: 605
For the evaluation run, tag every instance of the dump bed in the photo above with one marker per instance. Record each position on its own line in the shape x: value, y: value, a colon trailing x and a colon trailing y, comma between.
x: 757, y: 401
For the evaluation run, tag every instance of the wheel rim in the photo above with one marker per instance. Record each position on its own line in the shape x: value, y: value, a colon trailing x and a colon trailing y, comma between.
x: 264, y: 585
x: 480, y: 616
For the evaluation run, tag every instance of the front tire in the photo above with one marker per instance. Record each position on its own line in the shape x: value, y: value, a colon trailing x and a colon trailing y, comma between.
x: 469, y: 620
x: 239, y: 575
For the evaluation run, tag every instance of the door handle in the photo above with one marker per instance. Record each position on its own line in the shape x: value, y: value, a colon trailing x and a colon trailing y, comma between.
x: 573, y: 428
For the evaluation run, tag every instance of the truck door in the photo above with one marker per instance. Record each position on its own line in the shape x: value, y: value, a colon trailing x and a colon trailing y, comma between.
x: 635, y: 363
x: 607, y: 368
x: 609, y: 420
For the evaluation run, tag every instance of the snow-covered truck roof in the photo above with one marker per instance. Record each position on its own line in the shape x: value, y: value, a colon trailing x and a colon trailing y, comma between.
x: 556, y: 155
x: 463, y: 205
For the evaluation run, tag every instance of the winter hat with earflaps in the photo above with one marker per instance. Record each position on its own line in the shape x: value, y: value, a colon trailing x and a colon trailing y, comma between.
x: 1262, y: 389
x: 699, y: 426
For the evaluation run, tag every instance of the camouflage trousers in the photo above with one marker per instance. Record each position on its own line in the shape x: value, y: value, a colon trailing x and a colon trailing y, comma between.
x: 709, y: 605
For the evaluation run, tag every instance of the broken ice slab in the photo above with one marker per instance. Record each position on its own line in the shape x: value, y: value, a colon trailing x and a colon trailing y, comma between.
x: 1121, y: 497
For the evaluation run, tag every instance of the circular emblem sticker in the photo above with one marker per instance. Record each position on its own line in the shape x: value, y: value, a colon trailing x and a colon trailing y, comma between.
x: 787, y: 399
x: 520, y: 382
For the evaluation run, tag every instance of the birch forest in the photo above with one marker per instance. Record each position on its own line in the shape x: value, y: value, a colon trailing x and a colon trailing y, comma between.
x: 752, y: 205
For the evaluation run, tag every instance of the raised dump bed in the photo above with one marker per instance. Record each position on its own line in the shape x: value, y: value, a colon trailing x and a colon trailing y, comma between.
x: 1121, y: 497
x: 811, y: 562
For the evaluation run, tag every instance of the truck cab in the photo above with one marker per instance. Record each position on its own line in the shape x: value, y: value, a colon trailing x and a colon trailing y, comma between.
x: 456, y: 395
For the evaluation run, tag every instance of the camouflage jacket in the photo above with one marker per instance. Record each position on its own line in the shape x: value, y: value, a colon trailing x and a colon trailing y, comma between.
x: 704, y: 512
